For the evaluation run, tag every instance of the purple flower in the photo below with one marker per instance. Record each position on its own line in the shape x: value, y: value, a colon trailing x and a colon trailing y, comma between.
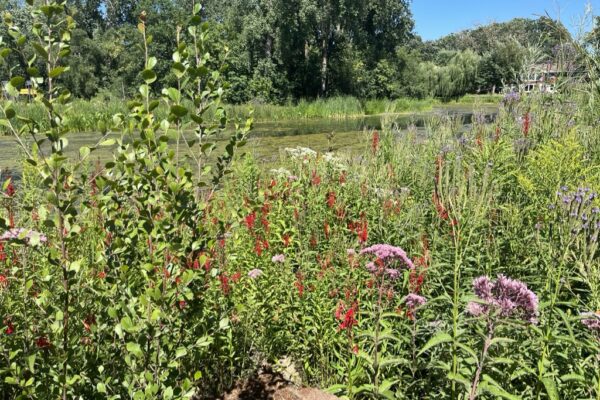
x: 506, y: 297
x: 279, y: 258
x: 23, y: 234
x: 387, y: 253
x: 414, y: 301
x: 392, y: 273
x: 371, y: 267
x: 592, y: 321
x: 255, y: 273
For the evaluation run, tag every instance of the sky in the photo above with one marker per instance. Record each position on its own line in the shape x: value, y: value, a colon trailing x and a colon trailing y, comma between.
x: 436, y: 18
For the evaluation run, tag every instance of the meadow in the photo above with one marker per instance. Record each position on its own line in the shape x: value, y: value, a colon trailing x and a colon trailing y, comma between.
x: 439, y: 263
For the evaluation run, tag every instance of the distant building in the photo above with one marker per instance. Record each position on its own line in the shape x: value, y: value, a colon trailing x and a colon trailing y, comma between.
x: 541, y: 78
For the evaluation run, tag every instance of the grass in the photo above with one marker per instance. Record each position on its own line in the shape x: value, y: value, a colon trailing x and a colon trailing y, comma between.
x: 95, y: 115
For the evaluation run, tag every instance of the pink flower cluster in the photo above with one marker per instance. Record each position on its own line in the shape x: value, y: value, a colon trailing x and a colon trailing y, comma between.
x: 22, y: 234
x: 414, y: 301
x: 506, y: 297
x: 279, y: 258
x: 255, y: 273
x: 592, y: 321
x: 388, y: 253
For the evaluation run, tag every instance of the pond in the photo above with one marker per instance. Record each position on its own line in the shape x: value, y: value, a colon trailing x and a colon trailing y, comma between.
x: 269, y: 138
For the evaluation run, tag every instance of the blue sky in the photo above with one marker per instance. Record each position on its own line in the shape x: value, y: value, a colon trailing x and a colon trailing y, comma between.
x: 436, y: 18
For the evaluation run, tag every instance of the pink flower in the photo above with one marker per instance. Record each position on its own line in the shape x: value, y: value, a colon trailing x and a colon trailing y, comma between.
x: 592, y: 321
x: 388, y: 253
x: 506, y: 297
x: 22, y: 234
x: 279, y: 258
x: 255, y: 273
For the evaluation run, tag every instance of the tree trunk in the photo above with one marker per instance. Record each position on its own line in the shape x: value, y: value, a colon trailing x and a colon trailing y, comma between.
x: 324, y: 61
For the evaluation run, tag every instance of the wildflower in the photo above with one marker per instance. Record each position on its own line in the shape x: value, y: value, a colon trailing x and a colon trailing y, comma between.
x: 331, y: 199
x: 375, y: 142
x: 526, y: 124
x: 298, y: 284
x: 279, y: 258
x: 507, y: 297
x: 592, y: 321
x: 101, y: 274
x: 3, y: 281
x: 2, y: 252
x: 43, y: 343
x: 286, y: 240
x: 224, y: 284
x: 23, y: 234
x: 10, y: 189
x: 413, y: 302
x: 392, y: 273
x: 255, y: 273
x: 351, y: 252
x: 316, y: 179
x: 236, y: 277
x: 10, y: 328
x: 388, y: 253
x: 346, y: 315
x: 250, y: 219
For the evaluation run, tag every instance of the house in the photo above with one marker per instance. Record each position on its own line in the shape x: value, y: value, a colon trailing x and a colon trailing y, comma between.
x: 541, y: 78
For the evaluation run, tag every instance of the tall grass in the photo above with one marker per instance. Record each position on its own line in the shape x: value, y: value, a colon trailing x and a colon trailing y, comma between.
x: 96, y: 114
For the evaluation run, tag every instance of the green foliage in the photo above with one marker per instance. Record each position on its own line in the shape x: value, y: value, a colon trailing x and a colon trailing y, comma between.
x: 177, y: 270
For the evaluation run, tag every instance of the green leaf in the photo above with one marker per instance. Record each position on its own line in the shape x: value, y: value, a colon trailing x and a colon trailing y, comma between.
x: 17, y: 82
x: 151, y: 63
x: 551, y: 388
x: 40, y: 50
x: 57, y: 72
x: 108, y: 142
x: 496, y: 391
x: 101, y: 387
x: 134, y: 349
x: 149, y: 76
x: 440, y: 338
x: 179, y: 111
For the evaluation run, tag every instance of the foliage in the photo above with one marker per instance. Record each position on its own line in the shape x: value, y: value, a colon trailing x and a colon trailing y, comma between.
x: 168, y: 273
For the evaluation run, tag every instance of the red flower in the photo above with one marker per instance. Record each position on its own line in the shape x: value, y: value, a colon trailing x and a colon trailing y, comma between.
x: 326, y: 229
x: 375, y: 142
x: 2, y: 253
x: 224, y: 284
x: 526, y: 123
x: 286, y: 240
x: 298, y: 284
x: 10, y: 189
x: 250, y: 219
x: 236, y: 277
x: 331, y: 199
x: 363, y: 231
x: 355, y: 349
x: 316, y: 179
x: 347, y: 320
x: 10, y: 328
x: 101, y: 274
x: 265, y: 223
x: 182, y: 304
x: 43, y: 343
x: 3, y: 281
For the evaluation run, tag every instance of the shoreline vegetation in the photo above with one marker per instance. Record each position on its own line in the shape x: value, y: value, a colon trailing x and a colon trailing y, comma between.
x: 96, y: 114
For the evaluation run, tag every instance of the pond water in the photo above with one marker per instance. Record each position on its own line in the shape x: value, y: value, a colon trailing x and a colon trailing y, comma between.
x: 269, y: 138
